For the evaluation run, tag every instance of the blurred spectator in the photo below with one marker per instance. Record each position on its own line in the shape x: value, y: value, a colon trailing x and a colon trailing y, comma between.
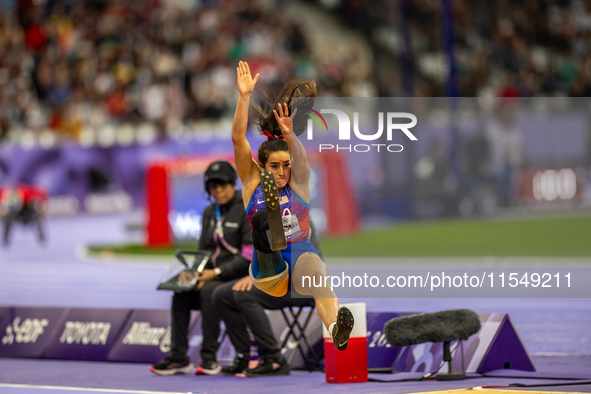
x: 475, y: 174
x: 431, y: 171
x: 433, y: 182
x: 506, y: 150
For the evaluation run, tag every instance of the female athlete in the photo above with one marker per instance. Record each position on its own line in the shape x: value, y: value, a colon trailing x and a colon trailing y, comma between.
x: 285, y: 179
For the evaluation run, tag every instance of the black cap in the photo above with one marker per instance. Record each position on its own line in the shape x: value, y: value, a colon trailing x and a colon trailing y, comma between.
x: 221, y: 171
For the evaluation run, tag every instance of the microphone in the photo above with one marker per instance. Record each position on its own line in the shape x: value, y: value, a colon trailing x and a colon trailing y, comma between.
x: 444, y: 326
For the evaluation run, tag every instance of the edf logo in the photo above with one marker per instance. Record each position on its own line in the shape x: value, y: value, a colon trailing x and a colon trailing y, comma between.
x: 345, y: 129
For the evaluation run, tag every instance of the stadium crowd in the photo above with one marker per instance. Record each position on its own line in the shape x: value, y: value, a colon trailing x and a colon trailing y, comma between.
x: 68, y: 64
x: 502, y: 48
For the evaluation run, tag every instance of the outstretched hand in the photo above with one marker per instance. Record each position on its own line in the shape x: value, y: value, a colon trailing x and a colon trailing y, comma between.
x: 285, y: 121
x: 245, y: 81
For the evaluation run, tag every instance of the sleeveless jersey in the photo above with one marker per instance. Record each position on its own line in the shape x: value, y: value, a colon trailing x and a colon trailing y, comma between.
x: 294, y: 212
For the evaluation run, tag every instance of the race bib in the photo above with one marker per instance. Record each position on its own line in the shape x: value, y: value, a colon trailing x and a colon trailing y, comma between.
x: 291, y: 226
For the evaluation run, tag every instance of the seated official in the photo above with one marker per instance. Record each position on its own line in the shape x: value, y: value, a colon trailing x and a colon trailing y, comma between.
x: 226, y: 233
x: 241, y: 305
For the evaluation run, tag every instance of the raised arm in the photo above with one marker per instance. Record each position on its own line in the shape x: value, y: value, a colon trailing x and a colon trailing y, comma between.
x: 245, y: 167
x: 300, y: 169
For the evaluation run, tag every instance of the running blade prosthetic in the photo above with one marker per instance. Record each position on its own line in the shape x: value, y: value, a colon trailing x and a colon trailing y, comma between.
x: 276, y: 235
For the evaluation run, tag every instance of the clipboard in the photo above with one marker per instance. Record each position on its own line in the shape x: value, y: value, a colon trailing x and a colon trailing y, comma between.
x: 188, y: 263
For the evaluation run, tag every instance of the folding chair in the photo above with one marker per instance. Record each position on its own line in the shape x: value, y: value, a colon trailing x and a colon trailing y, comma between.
x: 291, y: 319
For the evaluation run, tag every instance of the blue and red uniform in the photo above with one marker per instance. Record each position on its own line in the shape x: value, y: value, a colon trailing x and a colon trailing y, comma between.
x: 296, y: 224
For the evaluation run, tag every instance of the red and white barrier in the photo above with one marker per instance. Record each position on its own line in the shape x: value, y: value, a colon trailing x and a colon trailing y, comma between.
x: 349, y: 365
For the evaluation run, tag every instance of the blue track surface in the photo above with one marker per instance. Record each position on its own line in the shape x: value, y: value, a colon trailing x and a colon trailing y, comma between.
x: 56, y: 275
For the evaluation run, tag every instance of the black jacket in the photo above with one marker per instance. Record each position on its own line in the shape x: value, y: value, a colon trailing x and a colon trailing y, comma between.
x: 237, y: 233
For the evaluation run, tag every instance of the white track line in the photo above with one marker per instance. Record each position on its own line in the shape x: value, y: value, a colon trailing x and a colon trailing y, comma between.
x: 32, y: 386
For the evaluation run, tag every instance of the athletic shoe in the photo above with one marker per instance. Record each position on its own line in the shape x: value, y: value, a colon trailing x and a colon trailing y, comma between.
x: 269, y: 367
x: 239, y: 366
x: 342, y: 329
x: 169, y: 366
x: 208, y: 368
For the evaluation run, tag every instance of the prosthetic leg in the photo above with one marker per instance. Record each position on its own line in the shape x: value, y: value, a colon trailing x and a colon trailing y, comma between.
x: 271, y: 274
x: 276, y: 235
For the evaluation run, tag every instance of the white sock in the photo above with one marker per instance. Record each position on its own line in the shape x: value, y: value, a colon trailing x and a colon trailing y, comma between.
x: 330, y: 329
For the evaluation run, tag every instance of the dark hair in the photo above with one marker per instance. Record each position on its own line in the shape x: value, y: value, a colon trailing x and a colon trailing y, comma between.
x: 270, y: 146
x: 304, y: 93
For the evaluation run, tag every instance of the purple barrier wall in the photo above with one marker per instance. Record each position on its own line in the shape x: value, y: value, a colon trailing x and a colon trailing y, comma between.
x: 87, y: 334
x: 145, y: 337
x: 27, y: 332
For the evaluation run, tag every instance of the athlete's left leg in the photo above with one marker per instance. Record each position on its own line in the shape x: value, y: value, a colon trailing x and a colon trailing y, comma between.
x: 308, y: 278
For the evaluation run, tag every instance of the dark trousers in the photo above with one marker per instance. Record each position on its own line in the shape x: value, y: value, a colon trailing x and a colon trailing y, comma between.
x: 182, y: 304
x: 241, y: 309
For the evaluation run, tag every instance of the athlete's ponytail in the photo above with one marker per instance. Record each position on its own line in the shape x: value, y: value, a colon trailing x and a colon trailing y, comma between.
x: 296, y: 93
